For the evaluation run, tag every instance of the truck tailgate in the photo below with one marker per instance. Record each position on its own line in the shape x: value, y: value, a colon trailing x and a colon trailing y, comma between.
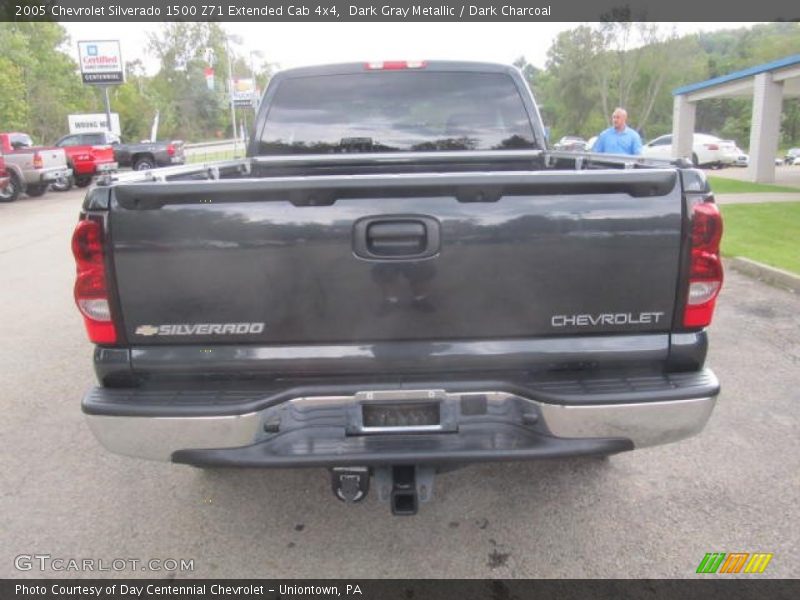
x: 397, y: 257
x: 53, y: 157
x: 50, y: 158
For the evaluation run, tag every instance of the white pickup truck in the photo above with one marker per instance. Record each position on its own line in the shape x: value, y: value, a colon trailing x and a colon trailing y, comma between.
x: 31, y: 168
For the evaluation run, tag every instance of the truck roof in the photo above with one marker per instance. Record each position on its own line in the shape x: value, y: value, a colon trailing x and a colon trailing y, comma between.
x: 429, y: 65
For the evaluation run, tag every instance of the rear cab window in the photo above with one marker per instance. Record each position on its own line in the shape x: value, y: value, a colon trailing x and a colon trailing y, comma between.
x: 94, y: 139
x: 391, y: 111
x: 72, y: 140
x: 20, y: 139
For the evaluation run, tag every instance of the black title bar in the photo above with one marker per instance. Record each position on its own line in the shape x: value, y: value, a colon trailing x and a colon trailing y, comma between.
x: 398, y: 10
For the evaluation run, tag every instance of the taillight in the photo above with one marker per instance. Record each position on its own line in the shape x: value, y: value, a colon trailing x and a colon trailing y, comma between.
x: 705, y: 271
x: 170, y: 149
x: 395, y: 65
x: 38, y: 163
x: 91, y: 289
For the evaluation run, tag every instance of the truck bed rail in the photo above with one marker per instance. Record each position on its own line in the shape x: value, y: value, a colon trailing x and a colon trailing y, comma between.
x: 205, y: 170
x: 244, y: 166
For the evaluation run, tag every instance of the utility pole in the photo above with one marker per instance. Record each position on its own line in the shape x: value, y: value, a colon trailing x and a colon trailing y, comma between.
x: 230, y: 91
x: 255, y: 83
x: 108, y: 108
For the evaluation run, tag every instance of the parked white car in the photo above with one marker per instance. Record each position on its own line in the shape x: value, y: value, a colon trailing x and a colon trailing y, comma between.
x: 742, y: 158
x: 707, y: 150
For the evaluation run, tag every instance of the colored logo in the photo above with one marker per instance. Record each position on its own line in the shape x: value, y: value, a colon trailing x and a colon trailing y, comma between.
x: 734, y: 562
x: 91, y: 50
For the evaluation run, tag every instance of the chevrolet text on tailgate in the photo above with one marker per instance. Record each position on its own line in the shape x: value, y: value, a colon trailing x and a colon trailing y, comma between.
x: 399, y: 278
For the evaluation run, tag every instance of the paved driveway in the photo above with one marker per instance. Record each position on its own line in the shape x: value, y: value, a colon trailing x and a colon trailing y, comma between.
x: 651, y: 513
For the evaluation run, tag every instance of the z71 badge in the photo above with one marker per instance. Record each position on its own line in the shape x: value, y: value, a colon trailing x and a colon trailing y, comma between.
x: 201, y: 329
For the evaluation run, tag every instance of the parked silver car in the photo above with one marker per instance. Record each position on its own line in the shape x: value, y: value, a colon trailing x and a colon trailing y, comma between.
x: 571, y: 142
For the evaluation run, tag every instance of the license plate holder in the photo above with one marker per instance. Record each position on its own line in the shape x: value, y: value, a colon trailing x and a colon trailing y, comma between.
x: 416, y: 411
x: 56, y: 175
x: 400, y: 414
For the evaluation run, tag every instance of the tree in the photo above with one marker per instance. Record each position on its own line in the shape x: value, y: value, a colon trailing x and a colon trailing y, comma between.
x: 636, y: 61
x: 46, y: 77
x: 189, y: 110
x: 663, y: 66
x: 570, y: 96
x: 132, y: 100
x: 529, y: 72
x: 13, y: 105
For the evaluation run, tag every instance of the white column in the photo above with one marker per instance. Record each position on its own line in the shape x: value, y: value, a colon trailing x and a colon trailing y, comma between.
x: 683, y: 116
x: 765, y: 128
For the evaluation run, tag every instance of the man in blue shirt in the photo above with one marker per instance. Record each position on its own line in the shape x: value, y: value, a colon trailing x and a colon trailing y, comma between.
x: 619, y: 139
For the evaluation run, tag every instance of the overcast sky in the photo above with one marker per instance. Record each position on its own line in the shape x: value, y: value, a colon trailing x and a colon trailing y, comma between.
x: 298, y: 44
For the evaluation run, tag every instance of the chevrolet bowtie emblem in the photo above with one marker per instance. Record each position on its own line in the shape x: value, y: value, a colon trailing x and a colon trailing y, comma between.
x: 146, y: 330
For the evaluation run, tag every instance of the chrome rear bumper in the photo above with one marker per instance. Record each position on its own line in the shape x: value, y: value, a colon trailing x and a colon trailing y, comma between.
x: 324, y: 430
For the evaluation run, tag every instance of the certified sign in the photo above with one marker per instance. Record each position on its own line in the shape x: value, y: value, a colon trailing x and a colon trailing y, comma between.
x: 244, y: 92
x: 101, y: 62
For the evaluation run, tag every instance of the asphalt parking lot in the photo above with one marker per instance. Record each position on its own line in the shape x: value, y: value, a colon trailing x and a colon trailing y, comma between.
x: 651, y: 513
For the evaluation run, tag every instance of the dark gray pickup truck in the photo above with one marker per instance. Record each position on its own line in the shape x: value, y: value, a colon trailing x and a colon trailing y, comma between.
x: 143, y: 155
x: 400, y: 278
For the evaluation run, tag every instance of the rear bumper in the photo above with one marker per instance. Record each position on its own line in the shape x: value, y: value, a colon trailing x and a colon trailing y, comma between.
x: 91, y: 167
x: 105, y: 167
x: 83, y: 168
x: 51, y: 175
x: 479, y: 422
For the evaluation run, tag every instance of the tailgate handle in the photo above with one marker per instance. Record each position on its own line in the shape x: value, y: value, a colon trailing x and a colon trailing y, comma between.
x: 397, y: 237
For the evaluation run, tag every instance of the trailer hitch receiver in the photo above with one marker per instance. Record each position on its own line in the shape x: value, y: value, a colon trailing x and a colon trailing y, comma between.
x: 350, y: 484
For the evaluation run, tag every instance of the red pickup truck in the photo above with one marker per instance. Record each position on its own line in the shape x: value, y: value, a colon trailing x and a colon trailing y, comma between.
x: 87, y: 157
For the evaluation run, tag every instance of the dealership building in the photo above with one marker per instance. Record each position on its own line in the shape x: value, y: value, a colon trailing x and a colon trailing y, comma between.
x: 767, y: 85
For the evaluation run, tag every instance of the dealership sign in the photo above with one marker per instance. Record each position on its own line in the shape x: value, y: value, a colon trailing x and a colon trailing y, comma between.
x: 93, y: 123
x: 101, y: 62
x: 244, y: 92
